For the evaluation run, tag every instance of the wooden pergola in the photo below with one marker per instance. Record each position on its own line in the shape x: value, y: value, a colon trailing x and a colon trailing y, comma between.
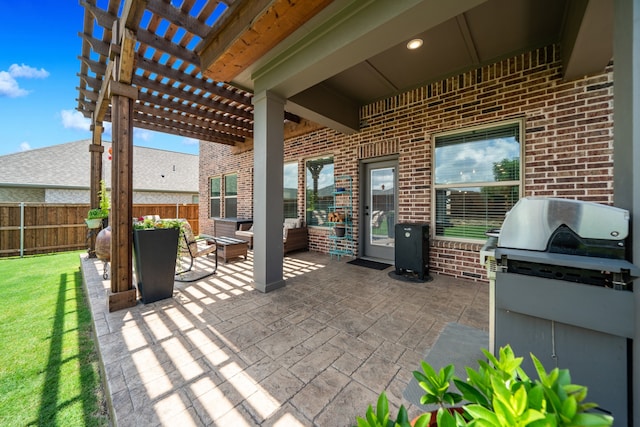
x: 151, y: 65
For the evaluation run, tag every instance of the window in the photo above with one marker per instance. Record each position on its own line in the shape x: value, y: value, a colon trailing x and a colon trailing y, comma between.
x: 477, y: 179
x: 231, y: 195
x: 214, y: 197
x: 290, y: 195
x: 318, y: 189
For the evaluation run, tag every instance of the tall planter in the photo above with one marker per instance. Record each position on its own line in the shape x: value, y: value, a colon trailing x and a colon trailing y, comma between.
x: 155, y: 262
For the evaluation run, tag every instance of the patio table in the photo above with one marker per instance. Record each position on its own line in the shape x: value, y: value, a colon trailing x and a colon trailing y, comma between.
x: 229, y: 247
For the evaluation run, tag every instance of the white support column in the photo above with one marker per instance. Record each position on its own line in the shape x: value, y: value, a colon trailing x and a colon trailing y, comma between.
x: 268, y: 211
x: 627, y: 149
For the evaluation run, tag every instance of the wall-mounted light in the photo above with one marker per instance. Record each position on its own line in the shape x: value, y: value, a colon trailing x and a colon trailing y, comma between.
x: 414, y: 44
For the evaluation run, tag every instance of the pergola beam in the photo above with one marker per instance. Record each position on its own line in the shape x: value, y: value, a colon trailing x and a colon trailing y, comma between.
x: 136, y: 71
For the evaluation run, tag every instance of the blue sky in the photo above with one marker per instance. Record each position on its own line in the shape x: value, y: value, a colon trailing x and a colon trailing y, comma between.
x: 39, y: 46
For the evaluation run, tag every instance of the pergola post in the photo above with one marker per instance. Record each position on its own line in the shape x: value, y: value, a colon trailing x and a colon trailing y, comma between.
x: 117, y: 87
x: 96, y: 149
x: 123, y: 293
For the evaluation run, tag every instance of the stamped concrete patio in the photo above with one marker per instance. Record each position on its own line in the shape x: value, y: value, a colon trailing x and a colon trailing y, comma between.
x: 314, y: 353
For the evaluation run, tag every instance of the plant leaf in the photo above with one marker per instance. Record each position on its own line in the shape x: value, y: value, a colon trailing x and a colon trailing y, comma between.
x: 592, y: 420
x: 519, y: 401
x: 478, y: 412
x: 445, y: 419
x: 536, y: 398
x: 569, y: 407
x: 383, y: 407
x: 470, y: 393
x: 423, y: 420
x: 403, y: 418
x: 530, y: 415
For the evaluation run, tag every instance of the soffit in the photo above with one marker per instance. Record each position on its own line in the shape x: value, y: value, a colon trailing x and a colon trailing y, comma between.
x: 490, y: 31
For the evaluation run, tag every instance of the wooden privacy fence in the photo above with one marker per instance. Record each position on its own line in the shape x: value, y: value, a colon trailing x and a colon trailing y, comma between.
x: 37, y: 228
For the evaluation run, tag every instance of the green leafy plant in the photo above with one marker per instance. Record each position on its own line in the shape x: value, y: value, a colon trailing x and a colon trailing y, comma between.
x: 436, y: 385
x: 105, y: 202
x: 380, y: 417
x: 150, y: 223
x: 96, y: 213
x: 500, y: 394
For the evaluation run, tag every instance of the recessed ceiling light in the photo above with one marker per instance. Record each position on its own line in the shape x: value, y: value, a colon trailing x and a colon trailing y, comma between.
x: 414, y: 44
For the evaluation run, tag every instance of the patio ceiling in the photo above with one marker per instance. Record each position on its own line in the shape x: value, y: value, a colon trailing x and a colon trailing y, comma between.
x: 197, y: 62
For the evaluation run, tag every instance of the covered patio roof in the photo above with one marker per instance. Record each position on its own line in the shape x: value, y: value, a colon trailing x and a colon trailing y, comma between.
x: 191, y: 67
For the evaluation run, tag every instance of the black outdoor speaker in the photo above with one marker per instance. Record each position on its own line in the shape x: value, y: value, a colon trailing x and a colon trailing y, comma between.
x: 412, y: 249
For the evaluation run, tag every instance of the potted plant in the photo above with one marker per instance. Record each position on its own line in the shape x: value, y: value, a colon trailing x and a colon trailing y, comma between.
x: 340, y: 229
x: 499, y: 393
x: 105, y: 203
x: 96, y: 216
x: 155, y: 245
x: 339, y: 226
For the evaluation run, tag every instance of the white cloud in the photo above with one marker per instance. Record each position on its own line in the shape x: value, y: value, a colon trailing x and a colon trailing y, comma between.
x: 72, y: 119
x: 9, y: 85
x: 142, y: 134
x: 25, y: 146
x: 473, y: 161
x: 106, y: 131
x: 27, y: 72
x: 190, y: 141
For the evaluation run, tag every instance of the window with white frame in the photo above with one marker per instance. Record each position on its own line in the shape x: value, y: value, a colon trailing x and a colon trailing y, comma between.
x: 477, y: 179
x: 228, y: 209
x: 214, y: 196
x: 290, y: 190
x: 231, y: 195
x: 318, y: 189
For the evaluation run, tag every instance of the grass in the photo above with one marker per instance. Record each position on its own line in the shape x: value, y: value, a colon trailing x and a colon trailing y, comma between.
x: 467, y: 231
x: 49, y: 372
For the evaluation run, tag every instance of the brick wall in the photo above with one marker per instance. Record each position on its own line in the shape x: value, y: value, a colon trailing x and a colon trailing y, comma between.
x: 568, y: 142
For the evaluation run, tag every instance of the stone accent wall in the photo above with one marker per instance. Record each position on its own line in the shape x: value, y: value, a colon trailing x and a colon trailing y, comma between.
x: 568, y: 142
x: 153, y: 198
x: 21, y: 194
x: 66, y: 195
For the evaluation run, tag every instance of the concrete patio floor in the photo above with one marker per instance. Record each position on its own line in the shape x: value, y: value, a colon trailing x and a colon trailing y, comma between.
x: 314, y: 353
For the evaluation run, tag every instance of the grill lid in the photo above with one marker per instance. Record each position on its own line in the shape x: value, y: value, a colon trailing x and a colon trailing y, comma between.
x: 565, y: 226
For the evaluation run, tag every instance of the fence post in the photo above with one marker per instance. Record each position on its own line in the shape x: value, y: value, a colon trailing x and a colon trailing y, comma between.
x: 21, y: 229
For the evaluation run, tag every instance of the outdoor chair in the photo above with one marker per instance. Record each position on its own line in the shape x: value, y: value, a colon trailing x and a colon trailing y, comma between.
x: 194, y: 248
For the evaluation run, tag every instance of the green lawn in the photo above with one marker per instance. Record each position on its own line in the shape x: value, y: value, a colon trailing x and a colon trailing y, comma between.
x: 49, y: 373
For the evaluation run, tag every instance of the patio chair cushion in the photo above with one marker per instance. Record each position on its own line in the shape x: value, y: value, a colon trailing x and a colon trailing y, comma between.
x: 195, y: 247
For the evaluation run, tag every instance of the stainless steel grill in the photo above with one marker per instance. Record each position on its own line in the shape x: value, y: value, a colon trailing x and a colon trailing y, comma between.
x: 564, y: 292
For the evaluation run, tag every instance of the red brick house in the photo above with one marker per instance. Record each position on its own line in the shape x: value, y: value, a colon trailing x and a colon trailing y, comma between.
x: 565, y: 133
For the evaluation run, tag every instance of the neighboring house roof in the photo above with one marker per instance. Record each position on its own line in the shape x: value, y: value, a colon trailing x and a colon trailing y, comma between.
x: 68, y: 165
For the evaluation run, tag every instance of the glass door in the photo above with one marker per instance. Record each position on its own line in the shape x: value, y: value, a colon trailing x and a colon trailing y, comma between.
x: 379, y: 208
